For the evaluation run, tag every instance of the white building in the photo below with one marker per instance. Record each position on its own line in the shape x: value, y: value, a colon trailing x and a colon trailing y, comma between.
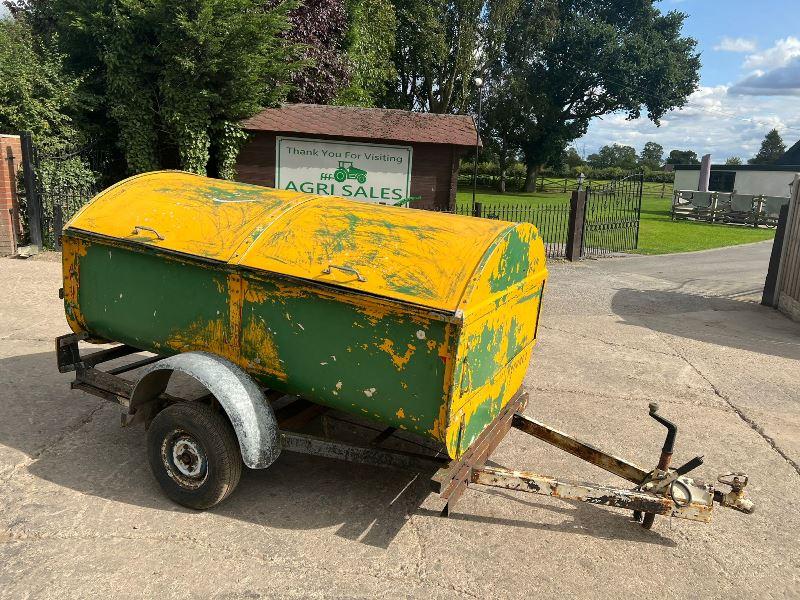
x: 769, y: 180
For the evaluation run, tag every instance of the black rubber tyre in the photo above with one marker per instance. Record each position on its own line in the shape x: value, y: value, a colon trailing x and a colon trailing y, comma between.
x: 194, y: 454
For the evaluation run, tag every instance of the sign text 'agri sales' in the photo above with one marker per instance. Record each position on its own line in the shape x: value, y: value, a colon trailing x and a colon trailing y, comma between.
x: 369, y: 172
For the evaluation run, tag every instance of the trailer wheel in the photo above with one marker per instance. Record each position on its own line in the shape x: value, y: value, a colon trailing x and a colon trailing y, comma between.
x: 194, y: 454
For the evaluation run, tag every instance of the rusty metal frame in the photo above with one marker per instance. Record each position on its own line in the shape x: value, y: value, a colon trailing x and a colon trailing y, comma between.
x: 451, y: 481
x: 613, y: 464
x: 696, y: 507
x: 657, y: 492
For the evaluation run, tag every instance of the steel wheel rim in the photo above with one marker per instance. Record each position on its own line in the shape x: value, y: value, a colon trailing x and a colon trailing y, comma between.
x: 184, y: 459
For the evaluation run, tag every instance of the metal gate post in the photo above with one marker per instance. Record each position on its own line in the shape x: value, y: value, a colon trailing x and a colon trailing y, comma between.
x: 32, y: 198
x: 577, y: 219
x: 640, y: 190
x: 58, y: 226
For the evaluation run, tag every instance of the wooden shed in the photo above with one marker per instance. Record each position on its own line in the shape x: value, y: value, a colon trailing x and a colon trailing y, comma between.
x: 370, y: 154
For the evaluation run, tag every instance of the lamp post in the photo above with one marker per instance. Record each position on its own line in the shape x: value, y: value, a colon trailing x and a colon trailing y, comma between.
x: 479, y: 84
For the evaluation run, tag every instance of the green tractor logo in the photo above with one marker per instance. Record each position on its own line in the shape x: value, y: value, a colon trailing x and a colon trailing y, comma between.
x: 346, y: 171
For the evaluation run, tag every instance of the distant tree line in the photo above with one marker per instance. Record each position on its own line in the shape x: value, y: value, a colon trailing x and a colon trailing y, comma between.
x: 652, y: 155
x: 613, y: 160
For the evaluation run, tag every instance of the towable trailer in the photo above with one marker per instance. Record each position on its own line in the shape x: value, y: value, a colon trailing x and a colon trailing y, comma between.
x: 286, y: 307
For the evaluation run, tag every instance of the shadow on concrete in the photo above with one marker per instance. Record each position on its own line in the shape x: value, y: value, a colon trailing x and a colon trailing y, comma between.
x: 716, y: 320
x: 77, y: 443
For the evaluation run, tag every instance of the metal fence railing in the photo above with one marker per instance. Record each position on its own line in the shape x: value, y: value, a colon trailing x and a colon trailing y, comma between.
x: 552, y: 220
x: 602, y: 220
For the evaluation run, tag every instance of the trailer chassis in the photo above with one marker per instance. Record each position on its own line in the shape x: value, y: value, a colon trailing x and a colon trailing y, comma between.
x: 659, y: 491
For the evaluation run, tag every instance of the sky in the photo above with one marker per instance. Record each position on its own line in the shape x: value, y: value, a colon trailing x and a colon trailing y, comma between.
x: 749, y: 83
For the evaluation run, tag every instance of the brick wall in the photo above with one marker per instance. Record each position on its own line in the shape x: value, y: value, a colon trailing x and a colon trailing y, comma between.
x: 10, y: 163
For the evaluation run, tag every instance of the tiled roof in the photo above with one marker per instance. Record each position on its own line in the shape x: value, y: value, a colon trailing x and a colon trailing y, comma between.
x: 368, y: 123
x: 791, y: 156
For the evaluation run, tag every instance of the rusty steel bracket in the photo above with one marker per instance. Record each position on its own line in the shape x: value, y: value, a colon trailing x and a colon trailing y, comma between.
x: 613, y: 464
x: 695, y: 505
x: 356, y: 453
x: 451, y: 481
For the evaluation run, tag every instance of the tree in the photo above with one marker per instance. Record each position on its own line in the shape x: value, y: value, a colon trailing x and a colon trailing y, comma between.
x: 435, y: 54
x: 594, y: 58
x: 318, y: 27
x: 370, y: 47
x: 500, y: 126
x: 503, y: 117
x: 167, y: 82
x: 682, y: 157
x: 571, y: 158
x: 772, y: 148
x: 615, y: 155
x: 652, y: 156
x: 36, y: 94
x: 733, y: 160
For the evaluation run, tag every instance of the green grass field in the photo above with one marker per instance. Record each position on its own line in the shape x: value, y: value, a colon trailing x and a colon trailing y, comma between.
x: 658, y: 234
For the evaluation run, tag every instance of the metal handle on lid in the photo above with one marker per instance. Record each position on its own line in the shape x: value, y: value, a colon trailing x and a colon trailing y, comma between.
x: 346, y: 269
x: 138, y: 228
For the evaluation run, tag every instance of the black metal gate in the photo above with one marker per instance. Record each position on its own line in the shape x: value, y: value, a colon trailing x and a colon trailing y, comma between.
x: 57, y: 185
x: 612, y: 215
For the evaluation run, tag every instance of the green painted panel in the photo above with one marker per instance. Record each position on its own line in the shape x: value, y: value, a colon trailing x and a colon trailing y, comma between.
x: 376, y: 362
x: 497, y: 339
x: 145, y: 300
x: 482, y: 417
x: 381, y: 364
x: 515, y: 263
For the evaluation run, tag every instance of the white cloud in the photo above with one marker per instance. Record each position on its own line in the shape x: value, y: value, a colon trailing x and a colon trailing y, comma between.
x: 724, y: 120
x: 773, y: 72
x: 777, y: 56
x: 714, y: 121
x: 727, y: 44
x: 780, y: 81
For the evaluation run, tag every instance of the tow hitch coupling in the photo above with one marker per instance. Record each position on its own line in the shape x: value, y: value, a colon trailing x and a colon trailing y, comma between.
x: 661, y: 491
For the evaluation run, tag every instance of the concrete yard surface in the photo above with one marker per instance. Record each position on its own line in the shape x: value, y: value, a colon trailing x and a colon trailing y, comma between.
x: 82, y: 517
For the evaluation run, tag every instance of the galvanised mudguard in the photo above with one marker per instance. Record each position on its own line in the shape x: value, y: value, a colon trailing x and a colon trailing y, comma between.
x: 249, y: 412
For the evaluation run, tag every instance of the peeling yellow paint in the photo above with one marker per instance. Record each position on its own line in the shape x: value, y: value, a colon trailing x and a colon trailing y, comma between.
x: 257, y: 341
x: 196, y: 215
x: 375, y: 312
x: 72, y: 250
x: 400, y: 361
x: 209, y: 336
x: 439, y: 429
x: 382, y: 250
x: 254, y: 294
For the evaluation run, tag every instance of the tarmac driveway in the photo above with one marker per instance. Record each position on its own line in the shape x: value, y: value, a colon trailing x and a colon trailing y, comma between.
x: 81, y: 516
